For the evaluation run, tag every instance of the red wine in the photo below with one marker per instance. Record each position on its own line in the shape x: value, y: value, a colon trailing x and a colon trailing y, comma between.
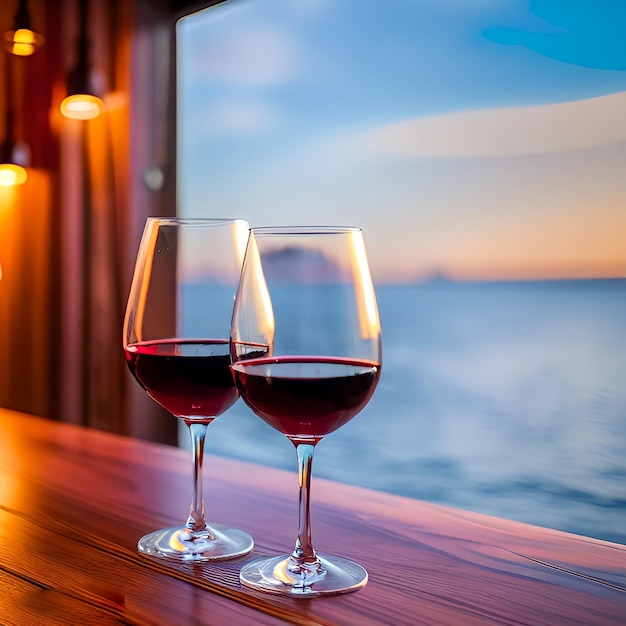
x: 306, y: 397
x: 190, y: 378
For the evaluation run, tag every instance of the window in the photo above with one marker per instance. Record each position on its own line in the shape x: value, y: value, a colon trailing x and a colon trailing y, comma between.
x: 480, y: 146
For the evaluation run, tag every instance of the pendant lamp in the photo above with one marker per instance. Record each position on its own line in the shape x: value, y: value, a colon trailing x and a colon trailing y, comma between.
x: 14, y: 155
x: 83, y: 100
x: 23, y: 40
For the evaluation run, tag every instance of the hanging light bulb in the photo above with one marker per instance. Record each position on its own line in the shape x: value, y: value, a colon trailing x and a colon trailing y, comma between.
x: 83, y: 100
x: 82, y: 106
x: 12, y: 164
x: 14, y: 155
x: 23, y: 40
x: 12, y: 175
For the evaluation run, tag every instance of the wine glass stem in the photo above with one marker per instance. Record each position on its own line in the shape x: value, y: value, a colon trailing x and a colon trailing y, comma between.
x: 303, y: 552
x: 195, y: 521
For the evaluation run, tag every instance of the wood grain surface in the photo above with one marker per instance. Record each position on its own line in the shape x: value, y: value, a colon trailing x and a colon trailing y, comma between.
x: 74, y: 502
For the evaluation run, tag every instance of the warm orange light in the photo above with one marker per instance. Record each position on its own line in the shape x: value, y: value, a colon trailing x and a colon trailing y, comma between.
x: 367, y: 307
x: 82, y: 106
x: 11, y: 174
x: 23, y: 41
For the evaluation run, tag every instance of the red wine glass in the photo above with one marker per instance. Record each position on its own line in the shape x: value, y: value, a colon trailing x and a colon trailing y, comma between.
x: 177, y: 347
x: 306, y: 355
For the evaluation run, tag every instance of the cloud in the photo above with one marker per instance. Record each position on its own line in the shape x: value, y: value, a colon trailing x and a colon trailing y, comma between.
x: 236, y: 116
x: 250, y: 56
x: 505, y: 132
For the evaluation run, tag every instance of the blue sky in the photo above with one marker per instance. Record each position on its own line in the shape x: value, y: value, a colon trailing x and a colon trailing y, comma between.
x: 475, y: 138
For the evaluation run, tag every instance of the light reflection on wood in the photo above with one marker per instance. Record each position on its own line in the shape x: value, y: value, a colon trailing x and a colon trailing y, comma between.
x: 86, y: 497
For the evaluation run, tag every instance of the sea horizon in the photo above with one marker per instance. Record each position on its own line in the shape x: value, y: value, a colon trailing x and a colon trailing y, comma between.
x: 500, y: 397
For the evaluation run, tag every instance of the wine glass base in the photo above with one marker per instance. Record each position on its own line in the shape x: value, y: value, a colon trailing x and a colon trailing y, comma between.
x: 329, y: 576
x: 216, y: 543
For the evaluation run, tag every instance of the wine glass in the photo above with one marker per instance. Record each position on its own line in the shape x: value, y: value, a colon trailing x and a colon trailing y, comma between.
x: 177, y: 347
x: 306, y: 356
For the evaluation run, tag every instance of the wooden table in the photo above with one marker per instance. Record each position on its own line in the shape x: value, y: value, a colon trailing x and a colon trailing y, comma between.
x: 73, y: 503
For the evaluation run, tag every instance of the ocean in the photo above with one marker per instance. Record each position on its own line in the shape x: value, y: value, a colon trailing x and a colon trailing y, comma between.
x: 505, y: 398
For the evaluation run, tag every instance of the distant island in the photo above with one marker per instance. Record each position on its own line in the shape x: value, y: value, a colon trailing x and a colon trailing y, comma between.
x: 289, y: 263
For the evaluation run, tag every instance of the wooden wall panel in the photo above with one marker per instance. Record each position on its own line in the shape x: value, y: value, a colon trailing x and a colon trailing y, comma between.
x: 88, y: 187
x: 26, y: 331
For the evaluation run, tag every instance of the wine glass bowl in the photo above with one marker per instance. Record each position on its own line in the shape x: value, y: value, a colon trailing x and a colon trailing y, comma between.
x: 176, y: 343
x: 306, y: 357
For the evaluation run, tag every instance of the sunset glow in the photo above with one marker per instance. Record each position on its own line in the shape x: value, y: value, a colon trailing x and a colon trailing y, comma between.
x: 467, y: 140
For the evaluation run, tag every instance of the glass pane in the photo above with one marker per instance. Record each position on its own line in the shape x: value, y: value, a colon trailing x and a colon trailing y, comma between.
x: 481, y: 147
